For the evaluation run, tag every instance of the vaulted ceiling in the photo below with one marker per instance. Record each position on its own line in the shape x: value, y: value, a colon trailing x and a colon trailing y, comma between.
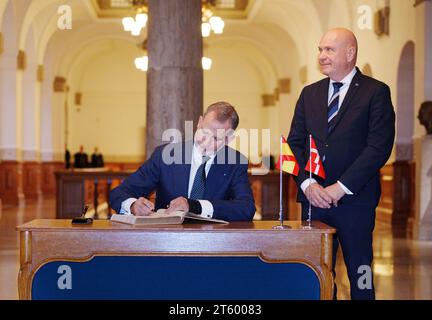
x: 229, y: 9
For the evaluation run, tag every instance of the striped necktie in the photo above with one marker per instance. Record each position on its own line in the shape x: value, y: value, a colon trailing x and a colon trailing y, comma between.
x: 333, y: 106
x: 198, y: 186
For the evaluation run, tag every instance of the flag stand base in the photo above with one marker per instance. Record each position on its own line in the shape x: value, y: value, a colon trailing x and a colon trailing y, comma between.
x: 281, y: 227
x: 307, y: 226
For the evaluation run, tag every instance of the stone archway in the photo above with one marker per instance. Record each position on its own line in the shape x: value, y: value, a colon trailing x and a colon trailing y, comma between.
x: 405, y: 104
x: 403, y: 169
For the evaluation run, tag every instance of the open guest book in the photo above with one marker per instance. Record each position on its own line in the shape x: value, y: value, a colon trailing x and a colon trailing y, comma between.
x: 160, y: 217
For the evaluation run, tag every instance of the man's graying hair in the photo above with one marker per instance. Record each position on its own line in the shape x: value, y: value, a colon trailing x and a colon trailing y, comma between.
x: 224, y: 111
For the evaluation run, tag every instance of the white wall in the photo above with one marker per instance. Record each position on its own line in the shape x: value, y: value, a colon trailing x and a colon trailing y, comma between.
x: 113, y: 111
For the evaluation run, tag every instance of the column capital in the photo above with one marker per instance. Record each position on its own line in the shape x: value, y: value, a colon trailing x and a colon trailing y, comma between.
x: 284, y: 85
x: 21, y: 60
x: 59, y: 84
x: 303, y: 74
x: 268, y: 100
x: 40, y: 73
x: 1, y: 43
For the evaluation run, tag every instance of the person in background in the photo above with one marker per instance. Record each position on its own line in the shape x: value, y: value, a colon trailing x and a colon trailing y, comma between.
x: 81, y: 159
x: 97, y: 159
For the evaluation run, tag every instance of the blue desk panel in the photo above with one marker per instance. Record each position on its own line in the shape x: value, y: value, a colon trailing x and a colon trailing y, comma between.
x: 175, y: 278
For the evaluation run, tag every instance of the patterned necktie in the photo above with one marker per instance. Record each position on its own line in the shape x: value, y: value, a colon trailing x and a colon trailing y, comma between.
x: 198, y: 186
x: 333, y: 106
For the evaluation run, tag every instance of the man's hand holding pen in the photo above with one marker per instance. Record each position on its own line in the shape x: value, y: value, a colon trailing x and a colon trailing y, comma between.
x: 142, y: 207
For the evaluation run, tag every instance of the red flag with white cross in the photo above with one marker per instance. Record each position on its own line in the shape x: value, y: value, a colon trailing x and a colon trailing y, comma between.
x: 315, y: 161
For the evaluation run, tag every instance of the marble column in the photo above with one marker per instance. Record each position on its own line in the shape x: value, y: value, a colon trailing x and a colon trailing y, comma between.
x: 175, y: 75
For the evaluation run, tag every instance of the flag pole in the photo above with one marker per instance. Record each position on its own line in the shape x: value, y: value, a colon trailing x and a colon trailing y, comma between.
x: 281, y: 225
x: 310, y: 179
x: 280, y: 182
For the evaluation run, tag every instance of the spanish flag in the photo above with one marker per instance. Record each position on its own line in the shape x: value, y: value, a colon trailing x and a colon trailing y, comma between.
x: 289, y: 162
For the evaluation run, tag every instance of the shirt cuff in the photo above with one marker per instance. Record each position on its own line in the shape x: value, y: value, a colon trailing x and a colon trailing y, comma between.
x: 206, y: 208
x: 306, y: 183
x: 345, y: 189
x: 126, y: 206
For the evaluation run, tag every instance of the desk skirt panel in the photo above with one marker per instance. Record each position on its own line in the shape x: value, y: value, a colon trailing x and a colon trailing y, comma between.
x: 175, y: 278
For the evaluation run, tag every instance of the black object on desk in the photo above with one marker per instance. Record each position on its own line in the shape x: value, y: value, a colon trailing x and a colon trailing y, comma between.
x: 82, y: 219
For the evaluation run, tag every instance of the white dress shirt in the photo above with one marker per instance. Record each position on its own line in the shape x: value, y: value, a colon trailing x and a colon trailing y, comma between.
x: 206, y: 206
x: 346, y: 82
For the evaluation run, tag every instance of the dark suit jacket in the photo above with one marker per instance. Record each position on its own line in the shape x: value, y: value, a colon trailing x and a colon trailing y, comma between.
x: 360, y: 142
x: 227, y: 185
x: 81, y: 160
x: 97, y: 161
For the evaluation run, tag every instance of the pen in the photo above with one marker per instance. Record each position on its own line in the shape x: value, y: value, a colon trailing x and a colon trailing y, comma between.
x: 149, y: 207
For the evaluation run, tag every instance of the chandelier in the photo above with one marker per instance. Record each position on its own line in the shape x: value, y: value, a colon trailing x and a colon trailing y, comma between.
x: 209, y: 22
x: 141, y: 63
x: 135, y: 25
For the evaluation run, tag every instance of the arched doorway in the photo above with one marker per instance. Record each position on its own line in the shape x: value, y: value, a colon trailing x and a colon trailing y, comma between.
x: 403, y: 170
x: 405, y: 104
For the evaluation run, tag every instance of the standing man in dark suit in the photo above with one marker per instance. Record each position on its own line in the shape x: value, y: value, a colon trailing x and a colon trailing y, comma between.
x: 203, y: 176
x: 81, y: 159
x: 352, y: 121
x: 97, y: 159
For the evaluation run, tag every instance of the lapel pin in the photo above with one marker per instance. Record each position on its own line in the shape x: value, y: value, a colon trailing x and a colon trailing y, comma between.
x: 356, y: 84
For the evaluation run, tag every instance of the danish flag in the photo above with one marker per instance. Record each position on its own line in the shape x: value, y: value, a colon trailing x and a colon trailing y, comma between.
x: 315, y: 160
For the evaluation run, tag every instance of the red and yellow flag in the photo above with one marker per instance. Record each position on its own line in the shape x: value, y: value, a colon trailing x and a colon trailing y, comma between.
x: 289, y: 162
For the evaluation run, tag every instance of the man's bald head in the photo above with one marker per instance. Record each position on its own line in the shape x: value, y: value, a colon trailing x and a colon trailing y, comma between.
x: 338, y: 53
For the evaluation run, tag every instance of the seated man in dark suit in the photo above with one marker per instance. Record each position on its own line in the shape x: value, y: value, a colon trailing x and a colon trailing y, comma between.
x: 203, y: 176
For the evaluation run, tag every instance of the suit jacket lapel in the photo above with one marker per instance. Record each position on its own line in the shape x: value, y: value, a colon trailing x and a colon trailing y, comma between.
x: 321, y: 111
x: 352, y: 90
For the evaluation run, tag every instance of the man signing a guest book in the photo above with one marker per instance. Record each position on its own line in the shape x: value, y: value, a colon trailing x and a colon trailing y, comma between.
x: 203, y: 176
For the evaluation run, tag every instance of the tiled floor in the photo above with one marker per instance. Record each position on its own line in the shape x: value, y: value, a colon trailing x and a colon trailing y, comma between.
x: 402, y: 268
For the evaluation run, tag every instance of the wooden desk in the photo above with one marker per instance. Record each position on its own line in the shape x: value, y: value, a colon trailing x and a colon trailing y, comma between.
x: 47, y: 242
